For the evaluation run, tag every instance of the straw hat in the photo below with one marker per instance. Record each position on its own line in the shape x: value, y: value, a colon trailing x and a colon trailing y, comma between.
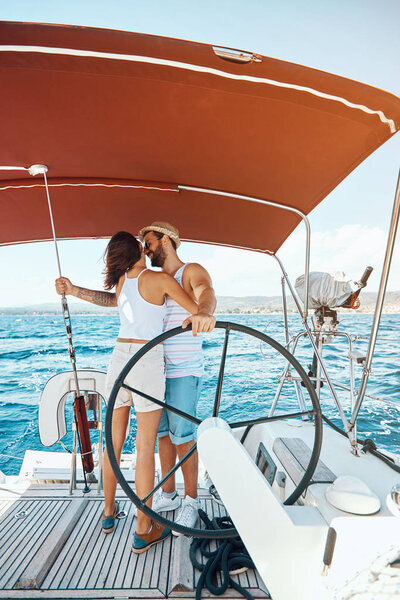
x: 162, y: 227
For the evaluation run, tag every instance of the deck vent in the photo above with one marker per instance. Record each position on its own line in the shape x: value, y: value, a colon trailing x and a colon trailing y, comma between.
x: 236, y: 56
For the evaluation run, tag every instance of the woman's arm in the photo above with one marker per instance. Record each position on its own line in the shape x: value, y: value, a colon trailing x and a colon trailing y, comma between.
x: 173, y: 289
x: 64, y: 286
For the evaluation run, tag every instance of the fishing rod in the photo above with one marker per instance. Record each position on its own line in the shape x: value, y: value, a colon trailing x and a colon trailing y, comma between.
x: 79, y: 409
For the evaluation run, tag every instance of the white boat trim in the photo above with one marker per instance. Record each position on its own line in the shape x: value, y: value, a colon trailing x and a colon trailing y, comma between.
x: 106, y: 185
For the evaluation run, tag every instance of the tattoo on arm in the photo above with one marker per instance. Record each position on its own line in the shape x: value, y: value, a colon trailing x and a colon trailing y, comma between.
x: 97, y: 297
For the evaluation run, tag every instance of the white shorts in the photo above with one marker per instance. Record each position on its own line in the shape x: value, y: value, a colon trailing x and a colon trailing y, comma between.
x: 148, y: 376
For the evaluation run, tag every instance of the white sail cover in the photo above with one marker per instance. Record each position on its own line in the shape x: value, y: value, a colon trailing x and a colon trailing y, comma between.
x: 325, y: 289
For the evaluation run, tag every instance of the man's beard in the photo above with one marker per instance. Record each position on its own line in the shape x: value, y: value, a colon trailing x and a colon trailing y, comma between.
x: 158, y: 258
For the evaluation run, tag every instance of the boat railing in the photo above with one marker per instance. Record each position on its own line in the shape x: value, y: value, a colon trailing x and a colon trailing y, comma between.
x: 316, y: 342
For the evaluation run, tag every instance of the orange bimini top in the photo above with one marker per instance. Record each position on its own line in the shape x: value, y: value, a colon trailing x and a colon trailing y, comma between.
x: 123, y: 120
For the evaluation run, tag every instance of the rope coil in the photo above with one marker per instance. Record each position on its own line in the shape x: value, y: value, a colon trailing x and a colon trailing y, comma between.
x: 230, y: 557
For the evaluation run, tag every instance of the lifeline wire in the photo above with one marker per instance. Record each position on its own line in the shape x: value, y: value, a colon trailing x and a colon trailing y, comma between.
x: 10, y: 456
x: 67, y: 321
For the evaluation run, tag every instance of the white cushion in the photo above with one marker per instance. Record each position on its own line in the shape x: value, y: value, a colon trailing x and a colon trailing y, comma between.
x: 352, y: 495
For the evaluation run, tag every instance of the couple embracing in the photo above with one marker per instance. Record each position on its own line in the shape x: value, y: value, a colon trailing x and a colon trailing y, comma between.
x: 150, y: 303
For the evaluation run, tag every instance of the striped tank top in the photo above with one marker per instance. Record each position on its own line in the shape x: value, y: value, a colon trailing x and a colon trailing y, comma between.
x: 184, y: 352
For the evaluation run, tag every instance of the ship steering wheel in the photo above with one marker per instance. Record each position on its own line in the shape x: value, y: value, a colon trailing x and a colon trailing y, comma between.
x: 314, y: 413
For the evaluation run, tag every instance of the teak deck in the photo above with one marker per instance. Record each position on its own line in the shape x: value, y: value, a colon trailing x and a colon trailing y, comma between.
x: 59, y: 551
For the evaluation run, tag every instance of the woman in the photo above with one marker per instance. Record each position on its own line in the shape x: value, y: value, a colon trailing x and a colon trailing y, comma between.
x: 141, y: 303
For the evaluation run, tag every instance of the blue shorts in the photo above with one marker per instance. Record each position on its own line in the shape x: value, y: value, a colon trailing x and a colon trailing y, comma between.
x: 182, y: 393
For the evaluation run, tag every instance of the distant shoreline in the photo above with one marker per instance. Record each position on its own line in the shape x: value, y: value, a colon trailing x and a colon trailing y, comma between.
x: 226, y: 305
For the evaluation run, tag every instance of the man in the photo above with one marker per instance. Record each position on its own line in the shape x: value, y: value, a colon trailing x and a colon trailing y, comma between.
x: 184, y: 362
x: 184, y: 367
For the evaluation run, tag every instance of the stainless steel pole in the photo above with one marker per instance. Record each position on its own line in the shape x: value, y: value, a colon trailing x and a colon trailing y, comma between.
x: 64, y: 303
x: 40, y: 169
x: 285, y: 315
x: 379, y: 302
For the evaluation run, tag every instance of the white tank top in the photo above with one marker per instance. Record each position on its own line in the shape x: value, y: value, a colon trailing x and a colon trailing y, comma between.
x: 140, y: 320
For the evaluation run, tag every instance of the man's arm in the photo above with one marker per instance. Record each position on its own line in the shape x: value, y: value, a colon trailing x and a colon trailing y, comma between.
x: 64, y: 286
x: 201, y: 284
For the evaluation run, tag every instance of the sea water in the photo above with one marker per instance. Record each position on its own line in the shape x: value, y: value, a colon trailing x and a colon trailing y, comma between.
x: 34, y: 348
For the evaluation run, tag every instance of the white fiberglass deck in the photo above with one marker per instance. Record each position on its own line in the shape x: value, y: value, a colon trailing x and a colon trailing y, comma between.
x: 59, y: 551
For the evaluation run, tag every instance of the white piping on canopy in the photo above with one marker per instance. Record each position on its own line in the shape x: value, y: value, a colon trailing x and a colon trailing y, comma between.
x: 199, y: 69
x: 107, y: 185
x: 14, y: 169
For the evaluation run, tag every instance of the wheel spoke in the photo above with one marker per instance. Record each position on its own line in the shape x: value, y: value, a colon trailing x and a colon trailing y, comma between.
x: 162, y: 404
x: 171, y: 472
x: 221, y: 375
x: 307, y: 413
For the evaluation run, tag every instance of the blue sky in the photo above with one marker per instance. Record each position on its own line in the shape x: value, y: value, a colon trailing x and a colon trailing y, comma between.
x: 358, y: 39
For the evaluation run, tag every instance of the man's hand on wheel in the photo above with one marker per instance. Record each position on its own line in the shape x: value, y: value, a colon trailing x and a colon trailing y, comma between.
x: 200, y: 322
x: 64, y: 286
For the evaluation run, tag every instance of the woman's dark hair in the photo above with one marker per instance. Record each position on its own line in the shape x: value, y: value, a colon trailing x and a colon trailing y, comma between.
x: 122, y: 252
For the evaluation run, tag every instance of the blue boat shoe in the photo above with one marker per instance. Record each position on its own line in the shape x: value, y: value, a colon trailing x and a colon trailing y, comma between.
x: 157, y: 534
x: 108, y: 522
